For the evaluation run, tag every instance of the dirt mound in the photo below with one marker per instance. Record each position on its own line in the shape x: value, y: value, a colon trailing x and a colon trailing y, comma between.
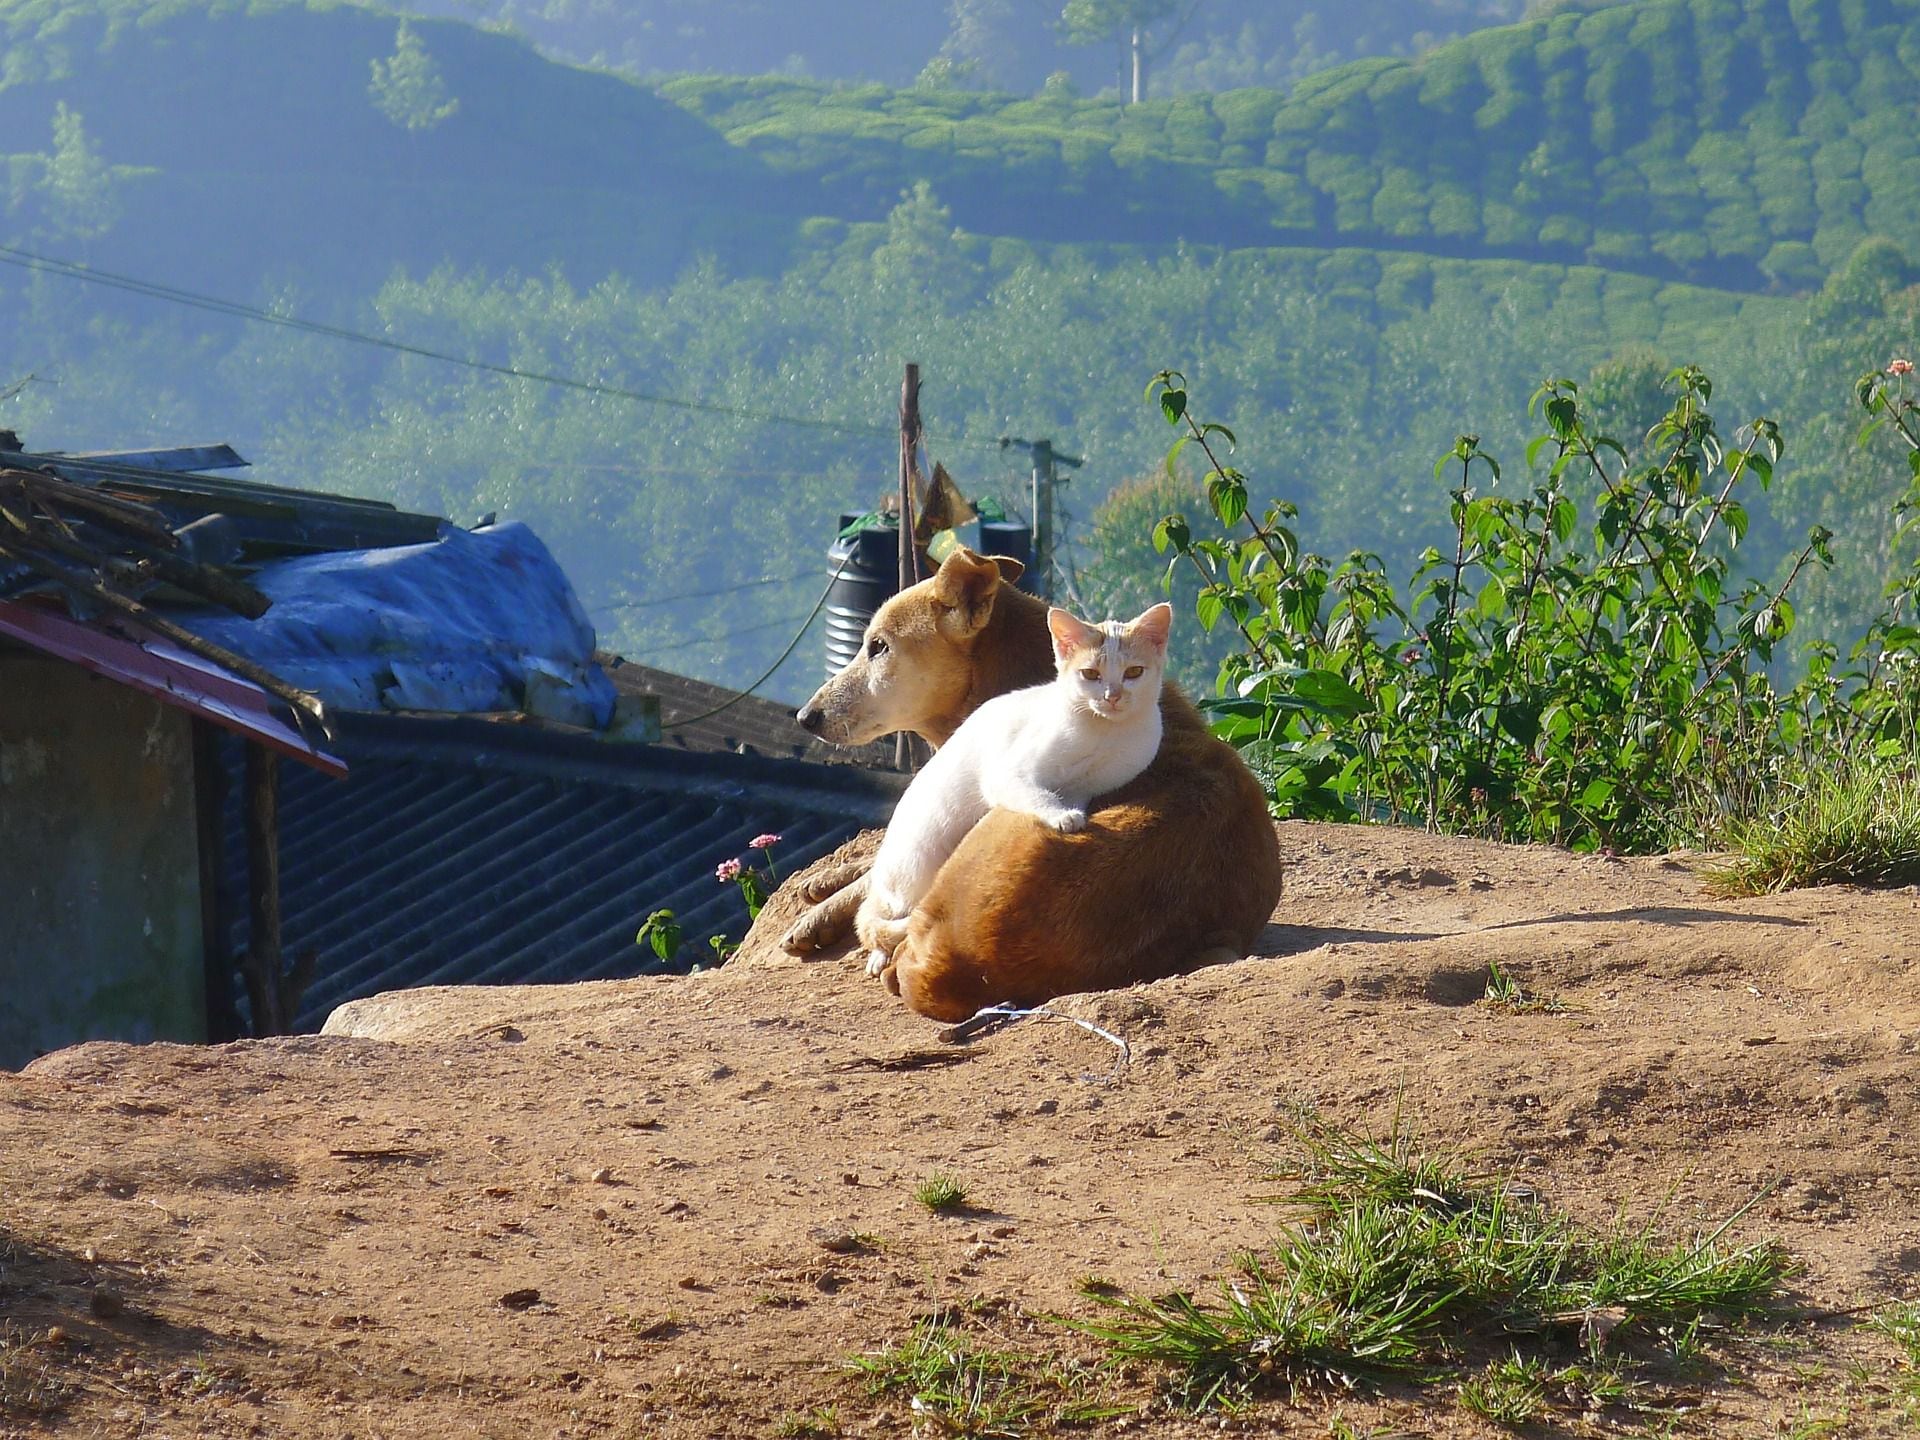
x: 675, y: 1207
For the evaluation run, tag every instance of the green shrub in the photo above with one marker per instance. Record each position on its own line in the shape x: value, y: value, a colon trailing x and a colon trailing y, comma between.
x: 1579, y: 665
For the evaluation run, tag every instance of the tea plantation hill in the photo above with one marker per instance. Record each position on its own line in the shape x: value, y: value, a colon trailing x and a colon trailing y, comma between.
x: 1013, y: 45
x: 1737, y: 143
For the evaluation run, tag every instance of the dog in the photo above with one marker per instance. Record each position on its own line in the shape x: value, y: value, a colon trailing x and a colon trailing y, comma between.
x: 1177, y: 869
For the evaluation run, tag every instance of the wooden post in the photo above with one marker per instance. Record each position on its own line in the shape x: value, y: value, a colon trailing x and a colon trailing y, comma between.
x: 273, y: 990
x: 209, y: 812
x: 909, y: 553
x: 1044, y: 479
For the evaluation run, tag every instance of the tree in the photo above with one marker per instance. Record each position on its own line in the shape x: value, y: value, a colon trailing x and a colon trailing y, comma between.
x: 1129, y: 23
x: 77, y: 185
x: 406, y: 86
x: 977, y: 45
x: 922, y: 256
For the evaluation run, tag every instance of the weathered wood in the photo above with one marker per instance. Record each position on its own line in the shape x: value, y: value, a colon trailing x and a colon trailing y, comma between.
x: 909, y: 555
x: 201, y: 580
x: 209, y: 809
x: 86, y: 584
x: 261, y: 965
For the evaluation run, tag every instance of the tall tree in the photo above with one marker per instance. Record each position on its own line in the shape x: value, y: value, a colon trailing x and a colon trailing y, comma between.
x: 406, y: 86
x: 76, y: 185
x: 1142, y: 28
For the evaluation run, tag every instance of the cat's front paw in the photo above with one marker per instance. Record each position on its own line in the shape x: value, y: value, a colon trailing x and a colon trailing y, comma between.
x: 1067, y: 822
x: 877, y: 962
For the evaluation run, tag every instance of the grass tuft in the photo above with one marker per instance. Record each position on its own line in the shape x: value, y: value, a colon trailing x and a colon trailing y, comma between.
x: 1508, y: 1392
x: 958, y: 1386
x: 1900, y: 1323
x: 941, y: 1194
x: 1504, y: 992
x: 29, y: 1387
x: 822, y: 1422
x: 1398, y: 1255
x: 1856, y: 824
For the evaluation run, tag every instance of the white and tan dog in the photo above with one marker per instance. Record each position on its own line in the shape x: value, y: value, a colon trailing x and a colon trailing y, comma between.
x: 1177, y: 869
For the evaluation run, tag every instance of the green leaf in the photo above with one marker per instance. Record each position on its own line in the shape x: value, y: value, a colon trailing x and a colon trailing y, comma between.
x: 1330, y: 691
x: 1208, y: 607
x: 1173, y: 455
x: 1596, y: 794
x: 1228, y: 495
x: 1173, y: 404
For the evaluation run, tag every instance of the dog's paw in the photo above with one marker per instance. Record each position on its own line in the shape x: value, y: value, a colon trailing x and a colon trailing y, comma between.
x: 1067, y: 822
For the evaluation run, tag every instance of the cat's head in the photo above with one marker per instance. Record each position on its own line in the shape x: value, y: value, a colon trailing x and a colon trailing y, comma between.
x: 1115, y: 668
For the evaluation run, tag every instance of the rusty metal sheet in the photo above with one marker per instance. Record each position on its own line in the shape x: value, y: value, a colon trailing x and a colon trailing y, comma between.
x: 169, y: 674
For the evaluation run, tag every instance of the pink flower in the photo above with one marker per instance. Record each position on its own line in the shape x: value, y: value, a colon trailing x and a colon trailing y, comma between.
x: 763, y: 842
x: 726, y: 870
x: 1900, y: 367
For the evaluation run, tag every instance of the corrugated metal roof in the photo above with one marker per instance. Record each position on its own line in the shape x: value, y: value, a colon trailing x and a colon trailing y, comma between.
x: 468, y: 852
x: 749, y: 725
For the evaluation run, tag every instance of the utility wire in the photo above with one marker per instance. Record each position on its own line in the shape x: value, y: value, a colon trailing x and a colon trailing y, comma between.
x: 653, y: 600
x: 721, y: 639
x: 44, y: 264
x: 767, y: 674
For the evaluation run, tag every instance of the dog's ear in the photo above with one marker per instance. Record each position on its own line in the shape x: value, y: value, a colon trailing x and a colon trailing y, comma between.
x: 1010, y: 568
x: 964, y: 590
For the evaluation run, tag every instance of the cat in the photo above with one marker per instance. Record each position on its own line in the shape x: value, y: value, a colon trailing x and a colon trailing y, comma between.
x: 1045, y: 751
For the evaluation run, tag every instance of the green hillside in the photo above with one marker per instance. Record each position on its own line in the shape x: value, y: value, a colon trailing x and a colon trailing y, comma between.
x: 1741, y: 143
x: 253, y: 150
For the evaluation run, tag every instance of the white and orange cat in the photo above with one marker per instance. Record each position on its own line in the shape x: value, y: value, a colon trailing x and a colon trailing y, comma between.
x: 1045, y: 751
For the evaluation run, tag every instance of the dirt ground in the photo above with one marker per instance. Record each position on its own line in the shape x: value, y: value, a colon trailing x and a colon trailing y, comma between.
x: 629, y: 1208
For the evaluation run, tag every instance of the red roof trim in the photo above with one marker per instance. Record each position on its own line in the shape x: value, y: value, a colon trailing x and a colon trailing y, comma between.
x: 144, y: 662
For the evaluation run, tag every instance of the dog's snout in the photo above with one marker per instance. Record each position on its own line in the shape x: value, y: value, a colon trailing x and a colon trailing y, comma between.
x: 809, y: 719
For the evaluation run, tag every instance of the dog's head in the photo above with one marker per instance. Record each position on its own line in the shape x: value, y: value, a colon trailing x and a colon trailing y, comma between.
x: 915, y: 669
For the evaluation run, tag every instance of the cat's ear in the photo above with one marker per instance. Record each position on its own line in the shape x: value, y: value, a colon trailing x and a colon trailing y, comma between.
x: 1071, y: 634
x: 1153, y: 626
x: 964, y: 590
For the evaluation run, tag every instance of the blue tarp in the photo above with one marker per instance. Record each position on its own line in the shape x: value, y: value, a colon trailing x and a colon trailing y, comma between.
x: 457, y: 625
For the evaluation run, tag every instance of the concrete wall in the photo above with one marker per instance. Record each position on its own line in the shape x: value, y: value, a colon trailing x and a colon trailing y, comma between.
x: 100, y: 929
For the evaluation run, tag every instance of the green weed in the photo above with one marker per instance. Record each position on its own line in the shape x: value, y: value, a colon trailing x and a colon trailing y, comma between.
x: 1508, y: 1392
x: 1857, y: 823
x: 1397, y: 1254
x: 941, y: 1193
x: 1504, y: 992
x: 966, y: 1388
x: 822, y: 1422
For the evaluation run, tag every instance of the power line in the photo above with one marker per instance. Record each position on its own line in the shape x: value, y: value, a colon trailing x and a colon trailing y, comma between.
x: 784, y: 656
x: 154, y: 290
x: 652, y: 600
x: 653, y: 650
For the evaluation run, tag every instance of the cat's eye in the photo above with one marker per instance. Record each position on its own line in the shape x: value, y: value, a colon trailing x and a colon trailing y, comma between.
x: 1089, y: 674
x: 876, y: 647
x: 1134, y: 672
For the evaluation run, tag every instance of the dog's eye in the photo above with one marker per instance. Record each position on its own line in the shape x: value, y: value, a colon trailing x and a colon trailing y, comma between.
x: 876, y: 647
x: 1134, y: 672
x: 1089, y: 674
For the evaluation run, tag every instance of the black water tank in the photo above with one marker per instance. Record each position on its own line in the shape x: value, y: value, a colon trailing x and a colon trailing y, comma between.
x: 868, y: 566
x: 1004, y: 537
